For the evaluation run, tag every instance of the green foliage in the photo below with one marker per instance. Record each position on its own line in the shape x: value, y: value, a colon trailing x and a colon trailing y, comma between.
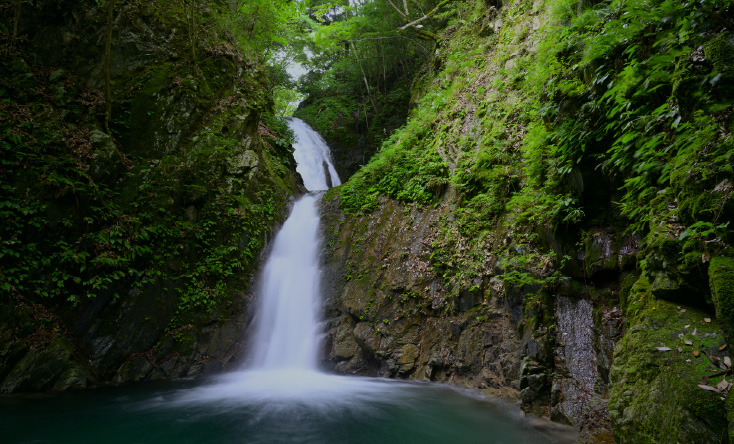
x: 640, y: 97
x: 84, y: 214
x: 404, y: 169
x: 520, y: 124
x: 361, y: 68
x: 286, y: 101
x: 705, y: 230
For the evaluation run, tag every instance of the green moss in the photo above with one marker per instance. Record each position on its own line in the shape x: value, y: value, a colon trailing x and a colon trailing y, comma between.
x: 142, y: 115
x: 636, y: 297
x: 720, y: 51
x: 691, y: 263
x: 693, y: 245
x: 730, y: 417
x: 655, y: 395
x: 698, y: 207
x: 668, y: 248
x: 721, y: 281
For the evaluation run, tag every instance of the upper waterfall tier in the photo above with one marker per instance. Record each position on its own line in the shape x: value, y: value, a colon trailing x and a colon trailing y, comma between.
x: 313, y: 157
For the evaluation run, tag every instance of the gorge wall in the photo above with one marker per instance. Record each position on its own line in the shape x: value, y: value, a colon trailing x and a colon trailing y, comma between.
x: 127, y: 254
x: 551, y: 224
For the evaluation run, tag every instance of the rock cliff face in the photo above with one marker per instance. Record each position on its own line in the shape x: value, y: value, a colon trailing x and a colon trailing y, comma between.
x: 389, y: 313
x: 127, y: 255
x: 566, y: 352
x: 446, y: 260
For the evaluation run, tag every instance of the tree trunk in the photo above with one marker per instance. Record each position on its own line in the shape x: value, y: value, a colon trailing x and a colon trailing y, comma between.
x: 18, y: 4
x: 107, y: 62
x: 364, y: 76
x: 192, y: 32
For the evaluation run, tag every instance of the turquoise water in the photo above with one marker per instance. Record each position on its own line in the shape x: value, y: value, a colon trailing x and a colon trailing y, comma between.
x: 233, y: 409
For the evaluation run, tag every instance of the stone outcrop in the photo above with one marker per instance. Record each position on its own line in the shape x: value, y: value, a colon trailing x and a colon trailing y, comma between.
x: 389, y: 313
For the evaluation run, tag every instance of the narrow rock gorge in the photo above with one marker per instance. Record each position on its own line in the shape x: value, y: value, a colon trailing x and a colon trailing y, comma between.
x: 536, y: 200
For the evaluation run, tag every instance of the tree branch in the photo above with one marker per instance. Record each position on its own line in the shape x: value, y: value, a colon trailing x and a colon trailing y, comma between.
x: 364, y: 76
x: 429, y: 14
x: 417, y: 42
x: 396, y: 8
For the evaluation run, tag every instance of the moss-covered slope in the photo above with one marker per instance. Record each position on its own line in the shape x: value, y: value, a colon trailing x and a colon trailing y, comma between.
x: 563, y: 153
x: 127, y: 254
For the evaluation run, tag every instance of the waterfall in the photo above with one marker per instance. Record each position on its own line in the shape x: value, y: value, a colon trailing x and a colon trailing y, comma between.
x: 287, y: 320
x: 313, y: 157
x: 282, y: 397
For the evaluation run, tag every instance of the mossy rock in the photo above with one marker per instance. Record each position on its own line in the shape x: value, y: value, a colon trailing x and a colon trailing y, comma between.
x: 721, y: 281
x: 626, y: 282
x: 676, y: 271
x: 720, y: 51
x: 699, y: 206
x: 49, y: 367
x: 655, y: 395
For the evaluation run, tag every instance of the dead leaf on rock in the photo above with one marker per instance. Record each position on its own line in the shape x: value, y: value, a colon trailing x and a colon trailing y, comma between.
x: 709, y: 388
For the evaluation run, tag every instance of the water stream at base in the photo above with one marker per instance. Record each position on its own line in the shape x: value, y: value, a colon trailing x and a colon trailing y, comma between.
x: 280, y: 397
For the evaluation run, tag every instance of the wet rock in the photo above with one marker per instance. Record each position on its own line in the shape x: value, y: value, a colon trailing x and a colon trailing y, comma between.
x: 406, y: 358
x: 665, y: 286
x: 105, y: 159
x: 534, y: 393
x: 50, y: 367
x: 345, y: 345
x: 367, y: 338
x: 243, y: 163
x: 576, y: 358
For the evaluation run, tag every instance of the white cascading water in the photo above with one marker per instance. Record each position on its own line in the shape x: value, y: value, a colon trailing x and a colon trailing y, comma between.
x: 287, y: 328
x: 283, y: 365
x: 312, y: 156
